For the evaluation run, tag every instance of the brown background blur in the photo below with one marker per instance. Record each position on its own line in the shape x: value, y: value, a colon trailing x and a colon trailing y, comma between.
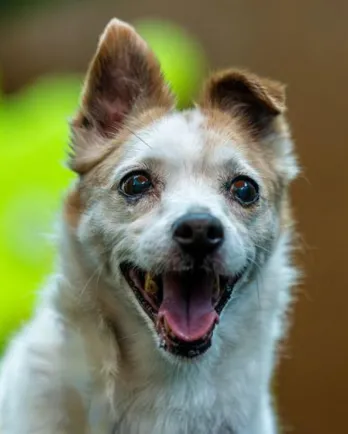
x: 303, y: 43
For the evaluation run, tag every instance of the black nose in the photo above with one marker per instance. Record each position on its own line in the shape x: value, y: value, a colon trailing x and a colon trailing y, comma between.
x: 198, y: 234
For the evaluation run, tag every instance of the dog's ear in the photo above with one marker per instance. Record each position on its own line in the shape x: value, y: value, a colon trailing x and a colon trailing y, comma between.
x: 257, y: 101
x: 124, y: 78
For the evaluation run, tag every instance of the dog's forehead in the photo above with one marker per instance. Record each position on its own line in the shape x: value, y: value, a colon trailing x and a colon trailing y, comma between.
x: 184, y: 137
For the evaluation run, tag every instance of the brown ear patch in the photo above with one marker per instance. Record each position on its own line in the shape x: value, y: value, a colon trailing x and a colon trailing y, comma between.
x: 124, y: 79
x: 257, y: 101
x: 124, y: 73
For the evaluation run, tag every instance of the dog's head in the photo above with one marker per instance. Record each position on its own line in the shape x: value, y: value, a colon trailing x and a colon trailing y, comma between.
x: 178, y: 209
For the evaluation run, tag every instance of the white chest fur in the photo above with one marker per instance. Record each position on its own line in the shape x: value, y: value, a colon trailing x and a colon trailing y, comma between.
x: 79, y: 374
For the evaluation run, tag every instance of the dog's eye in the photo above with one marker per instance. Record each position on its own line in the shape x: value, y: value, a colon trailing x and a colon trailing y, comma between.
x: 135, y: 184
x: 244, y: 190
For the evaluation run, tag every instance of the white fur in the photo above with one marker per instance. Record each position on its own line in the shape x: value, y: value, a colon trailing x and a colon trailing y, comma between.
x: 69, y: 372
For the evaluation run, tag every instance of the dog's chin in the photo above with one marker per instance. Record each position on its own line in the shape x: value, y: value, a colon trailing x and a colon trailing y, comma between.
x: 184, y: 306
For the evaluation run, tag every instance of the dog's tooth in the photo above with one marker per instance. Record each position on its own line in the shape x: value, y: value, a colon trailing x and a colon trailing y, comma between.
x: 168, y: 329
x: 166, y: 326
x: 150, y: 284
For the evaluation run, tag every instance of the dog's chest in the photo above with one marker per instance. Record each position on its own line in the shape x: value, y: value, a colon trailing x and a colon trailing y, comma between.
x: 173, y: 421
x: 179, y: 409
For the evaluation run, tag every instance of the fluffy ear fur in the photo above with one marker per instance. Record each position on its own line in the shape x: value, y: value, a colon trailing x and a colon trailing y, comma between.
x: 258, y: 101
x: 124, y: 78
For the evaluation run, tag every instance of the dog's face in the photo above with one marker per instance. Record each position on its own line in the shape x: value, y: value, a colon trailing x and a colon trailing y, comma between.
x: 178, y: 209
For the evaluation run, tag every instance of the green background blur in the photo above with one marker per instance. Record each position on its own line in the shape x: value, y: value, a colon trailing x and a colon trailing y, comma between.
x: 45, y: 46
x: 33, y: 138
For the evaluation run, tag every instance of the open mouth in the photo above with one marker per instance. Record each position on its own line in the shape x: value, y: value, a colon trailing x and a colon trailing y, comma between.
x: 184, y: 306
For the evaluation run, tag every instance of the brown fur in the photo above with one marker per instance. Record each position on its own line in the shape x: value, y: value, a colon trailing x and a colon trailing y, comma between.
x: 73, y: 208
x: 226, y: 89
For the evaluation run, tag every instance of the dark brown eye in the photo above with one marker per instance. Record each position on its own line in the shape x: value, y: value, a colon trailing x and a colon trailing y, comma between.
x: 244, y: 190
x: 136, y: 184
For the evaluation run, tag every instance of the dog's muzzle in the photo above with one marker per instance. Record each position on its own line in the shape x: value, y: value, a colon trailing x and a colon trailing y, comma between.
x: 185, y: 305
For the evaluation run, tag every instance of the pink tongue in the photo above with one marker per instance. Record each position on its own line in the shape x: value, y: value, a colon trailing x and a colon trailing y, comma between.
x: 187, y: 305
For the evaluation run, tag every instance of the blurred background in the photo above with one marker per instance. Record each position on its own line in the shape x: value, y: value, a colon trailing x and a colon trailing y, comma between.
x: 45, y: 46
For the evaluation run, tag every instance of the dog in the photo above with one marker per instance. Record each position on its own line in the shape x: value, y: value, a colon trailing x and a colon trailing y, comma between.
x: 173, y: 284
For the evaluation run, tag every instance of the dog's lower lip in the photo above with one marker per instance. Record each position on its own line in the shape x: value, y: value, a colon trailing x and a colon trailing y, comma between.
x: 148, y: 289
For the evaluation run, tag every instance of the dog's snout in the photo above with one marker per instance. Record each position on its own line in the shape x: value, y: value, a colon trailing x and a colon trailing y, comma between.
x: 198, y: 234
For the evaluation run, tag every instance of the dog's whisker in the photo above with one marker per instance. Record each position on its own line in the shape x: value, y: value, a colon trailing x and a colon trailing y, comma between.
x: 137, y: 136
x: 130, y: 336
x: 263, y: 248
x: 90, y: 279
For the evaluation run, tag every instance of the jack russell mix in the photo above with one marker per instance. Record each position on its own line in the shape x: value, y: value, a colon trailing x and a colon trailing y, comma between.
x: 174, y: 277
